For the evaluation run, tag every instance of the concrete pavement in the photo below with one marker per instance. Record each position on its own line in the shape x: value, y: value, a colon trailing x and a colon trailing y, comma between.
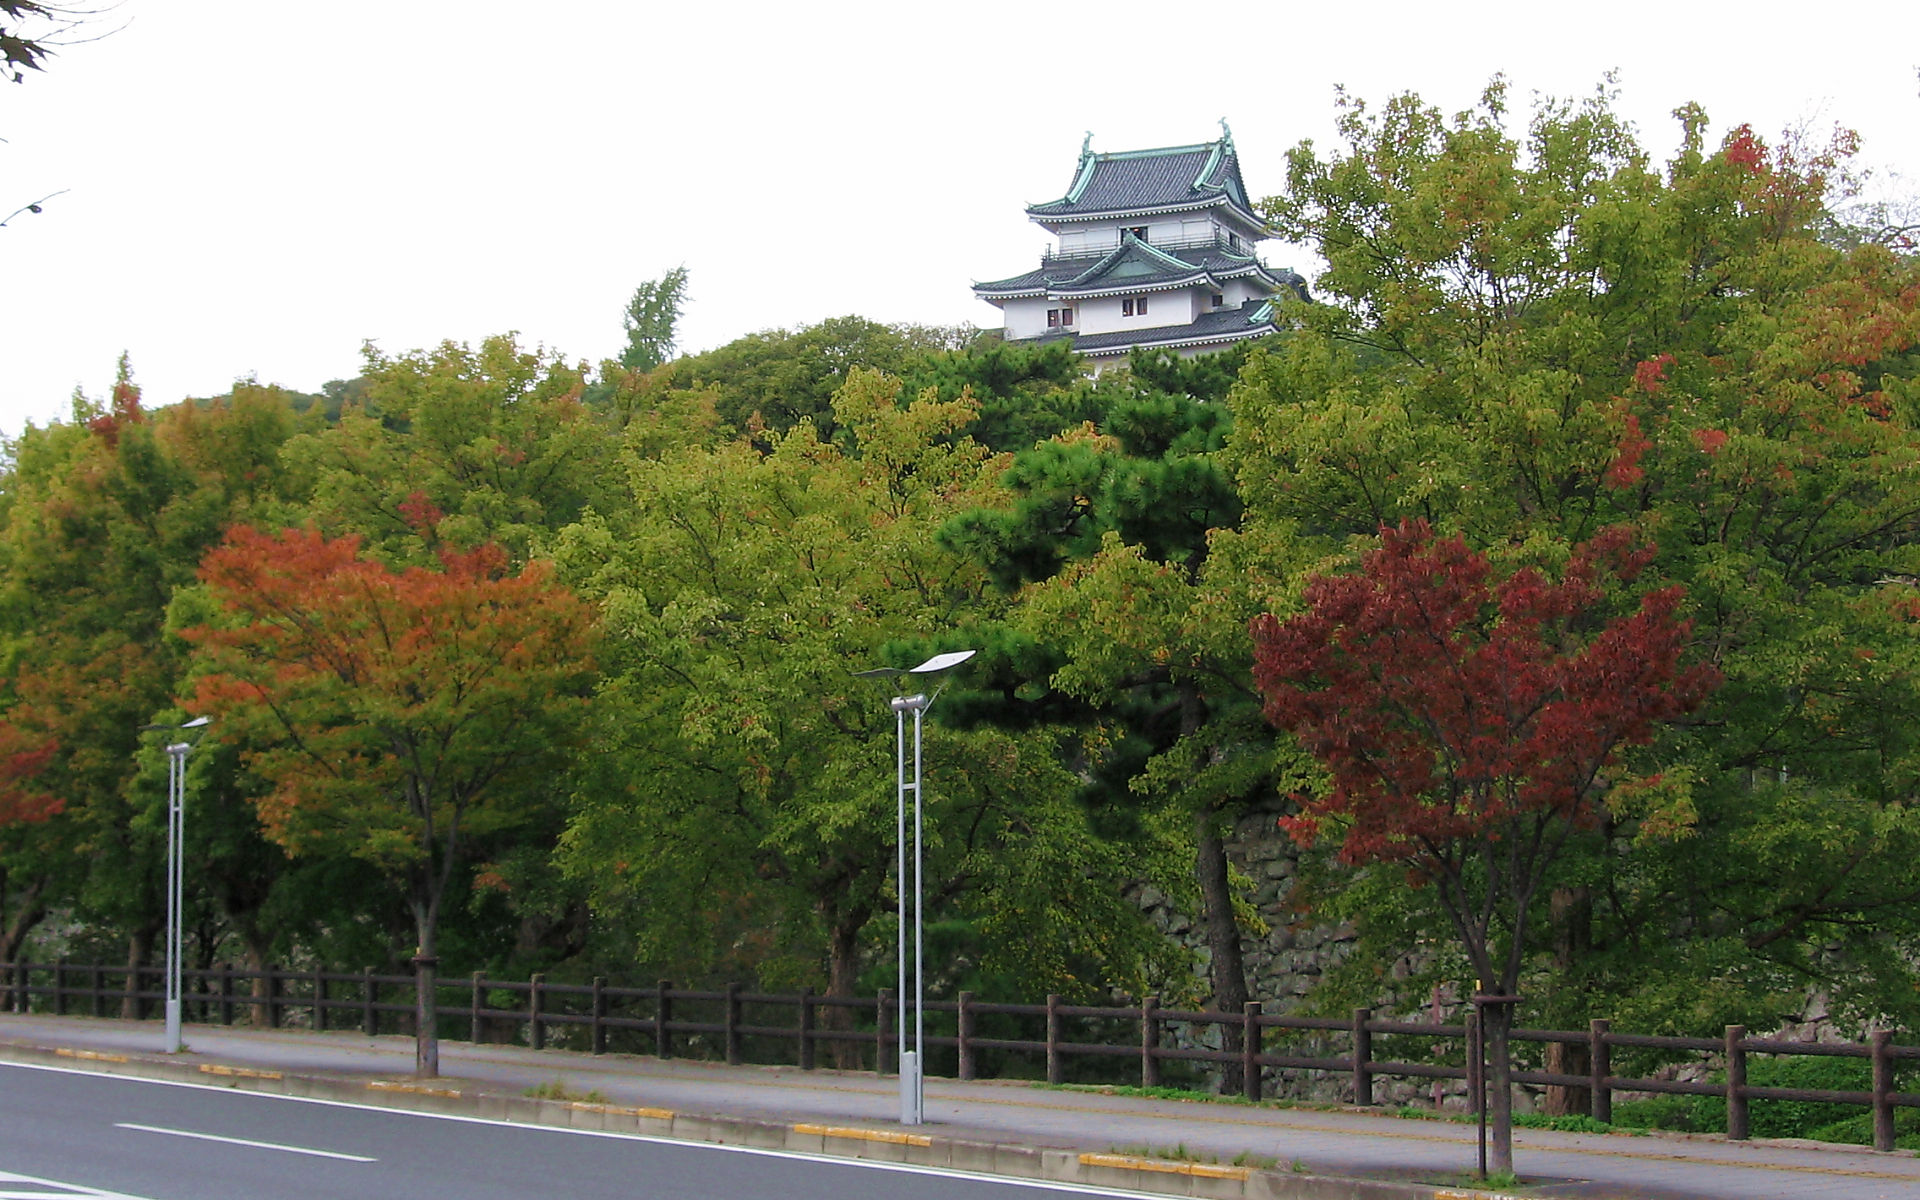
x: 1221, y: 1149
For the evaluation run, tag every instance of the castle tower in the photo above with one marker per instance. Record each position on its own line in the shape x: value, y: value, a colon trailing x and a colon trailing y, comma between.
x: 1155, y: 249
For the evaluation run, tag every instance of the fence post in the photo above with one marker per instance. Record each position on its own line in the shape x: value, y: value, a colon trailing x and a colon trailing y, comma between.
x: 1362, y: 1056
x: 1055, y: 1069
x: 476, y: 1030
x: 1736, y: 1084
x: 806, y: 1029
x: 369, y: 997
x: 96, y: 985
x: 319, y: 1000
x: 731, y: 1036
x: 1250, y: 1050
x: 1879, y: 1043
x: 1599, y: 1066
x: 273, y: 996
x: 966, y: 1035
x: 1150, y: 1042
x: 662, y: 1021
x: 1475, y: 1092
x: 599, y: 1038
x: 882, y: 1030
x: 536, y: 1029
x: 60, y: 988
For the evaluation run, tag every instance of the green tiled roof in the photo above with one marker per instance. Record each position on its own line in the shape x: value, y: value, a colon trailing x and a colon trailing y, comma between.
x: 1143, y: 180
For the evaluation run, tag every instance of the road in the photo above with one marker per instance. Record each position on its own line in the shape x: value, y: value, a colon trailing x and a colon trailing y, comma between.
x: 1350, y: 1142
x: 70, y: 1133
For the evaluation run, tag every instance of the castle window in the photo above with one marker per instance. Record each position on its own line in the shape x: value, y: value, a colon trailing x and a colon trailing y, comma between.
x: 1126, y: 307
x: 1218, y: 299
x: 1053, y: 318
x: 1066, y: 316
x: 1133, y: 306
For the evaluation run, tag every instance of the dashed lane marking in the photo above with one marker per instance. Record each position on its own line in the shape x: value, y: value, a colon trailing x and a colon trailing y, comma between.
x: 248, y: 1142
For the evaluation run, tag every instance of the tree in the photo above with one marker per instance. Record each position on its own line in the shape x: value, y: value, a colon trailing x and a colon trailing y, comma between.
x: 398, y: 716
x: 774, y: 379
x: 1126, y: 625
x: 742, y: 802
x: 457, y: 446
x: 29, y: 32
x: 105, y: 517
x: 1527, y: 331
x: 651, y: 318
x: 1467, y: 728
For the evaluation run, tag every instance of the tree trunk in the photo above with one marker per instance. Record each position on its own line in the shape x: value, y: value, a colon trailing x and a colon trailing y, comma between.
x: 256, y: 963
x: 426, y: 998
x: 843, y: 970
x: 1228, y: 966
x: 1570, y: 912
x: 1497, y: 1021
x: 29, y: 909
x: 139, y: 947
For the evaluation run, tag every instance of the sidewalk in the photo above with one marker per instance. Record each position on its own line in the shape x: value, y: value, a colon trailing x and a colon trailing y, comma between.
x: 1345, y: 1143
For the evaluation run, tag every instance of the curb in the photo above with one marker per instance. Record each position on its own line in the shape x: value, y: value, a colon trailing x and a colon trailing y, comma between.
x: 1120, y: 1171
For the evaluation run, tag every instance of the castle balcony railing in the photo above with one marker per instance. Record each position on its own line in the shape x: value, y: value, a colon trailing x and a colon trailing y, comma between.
x: 1212, y: 241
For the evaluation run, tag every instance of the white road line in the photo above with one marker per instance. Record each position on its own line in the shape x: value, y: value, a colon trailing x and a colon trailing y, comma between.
x: 68, y: 1190
x: 211, y: 1137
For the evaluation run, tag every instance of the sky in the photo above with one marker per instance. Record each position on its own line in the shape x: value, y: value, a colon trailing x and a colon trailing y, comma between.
x: 253, y: 189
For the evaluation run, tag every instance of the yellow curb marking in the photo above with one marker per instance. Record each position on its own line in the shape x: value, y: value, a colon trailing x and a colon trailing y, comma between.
x: 1450, y: 1194
x: 1128, y: 1162
x: 91, y: 1055
x: 239, y: 1072
x: 382, y: 1085
x: 865, y: 1135
x: 657, y: 1114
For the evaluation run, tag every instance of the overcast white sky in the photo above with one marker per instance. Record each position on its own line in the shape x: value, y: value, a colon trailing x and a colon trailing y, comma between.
x: 257, y: 187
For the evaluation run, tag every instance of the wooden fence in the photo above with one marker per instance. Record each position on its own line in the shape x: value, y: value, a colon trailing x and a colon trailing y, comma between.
x: 741, y: 1026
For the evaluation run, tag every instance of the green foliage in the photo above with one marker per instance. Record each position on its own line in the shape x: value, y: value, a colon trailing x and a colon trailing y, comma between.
x: 1526, y: 337
x: 1790, y: 1118
x: 456, y: 447
x: 651, y: 318
x: 742, y: 803
x: 775, y: 379
x: 1025, y: 393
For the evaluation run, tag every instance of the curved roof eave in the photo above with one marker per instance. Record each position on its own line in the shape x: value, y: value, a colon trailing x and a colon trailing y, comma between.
x: 1040, y: 216
x: 1206, y: 339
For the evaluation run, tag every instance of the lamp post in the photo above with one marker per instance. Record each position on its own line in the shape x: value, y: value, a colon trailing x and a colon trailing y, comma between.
x: 176, y: 870
x: 913, y: 1097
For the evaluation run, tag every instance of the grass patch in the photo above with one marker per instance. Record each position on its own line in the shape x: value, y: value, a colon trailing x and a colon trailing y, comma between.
x: 558, y: 1090
x: 1566, y: 1123
x: 1175, y: 1153
x: 1189, y: 1095
x: 1496, y: 1181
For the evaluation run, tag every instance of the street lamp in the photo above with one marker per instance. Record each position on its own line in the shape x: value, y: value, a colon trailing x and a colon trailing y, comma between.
x: 913, y: 1096
x: 176, y: 856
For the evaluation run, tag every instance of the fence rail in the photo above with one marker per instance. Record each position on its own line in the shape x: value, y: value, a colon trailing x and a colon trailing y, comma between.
x: 740, y: 1026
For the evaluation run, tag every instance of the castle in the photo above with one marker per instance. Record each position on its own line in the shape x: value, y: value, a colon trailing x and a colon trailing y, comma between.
x: 1156, y: 249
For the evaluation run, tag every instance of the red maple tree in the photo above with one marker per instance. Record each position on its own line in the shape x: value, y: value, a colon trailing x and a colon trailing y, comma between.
x: 1468, y: 726
x: 397, y: 715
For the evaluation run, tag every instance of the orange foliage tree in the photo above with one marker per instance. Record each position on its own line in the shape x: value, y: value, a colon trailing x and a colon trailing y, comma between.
x: 397, y: 716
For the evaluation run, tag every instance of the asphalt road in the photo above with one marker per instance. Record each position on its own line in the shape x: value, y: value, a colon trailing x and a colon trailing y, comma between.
x: 69, y: 1133
x: 1563, y: 1166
